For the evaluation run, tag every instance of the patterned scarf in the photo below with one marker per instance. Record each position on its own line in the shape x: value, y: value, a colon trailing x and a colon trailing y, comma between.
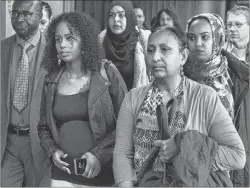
x: 214, y: 72
x: 147, y: 131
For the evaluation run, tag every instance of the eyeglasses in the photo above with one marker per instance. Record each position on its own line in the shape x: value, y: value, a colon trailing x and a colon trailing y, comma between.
x: 25, y: 14
x: 237, y: 24
x: 121, y: 15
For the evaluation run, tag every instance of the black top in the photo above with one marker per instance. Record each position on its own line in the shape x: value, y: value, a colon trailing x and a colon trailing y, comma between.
x: 127, y: 73
x: 76, y: 138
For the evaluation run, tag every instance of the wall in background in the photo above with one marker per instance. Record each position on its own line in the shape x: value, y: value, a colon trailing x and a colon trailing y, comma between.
x: 98, y: 9
x: 185, y: 9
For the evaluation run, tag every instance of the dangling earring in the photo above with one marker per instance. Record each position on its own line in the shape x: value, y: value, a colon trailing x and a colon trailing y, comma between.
x: 59, y: 60
x: 181, y: 70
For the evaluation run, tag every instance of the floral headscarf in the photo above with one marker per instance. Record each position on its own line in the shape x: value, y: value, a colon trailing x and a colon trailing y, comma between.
x: 218, y: 32
x: 214, y: 72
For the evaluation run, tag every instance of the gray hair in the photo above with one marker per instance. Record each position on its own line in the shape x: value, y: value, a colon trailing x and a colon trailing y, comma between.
x: 239, y: 10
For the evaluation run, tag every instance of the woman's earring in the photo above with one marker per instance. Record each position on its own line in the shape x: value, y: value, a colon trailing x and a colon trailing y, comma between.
x: 181, y: 70
x: 59, y: 60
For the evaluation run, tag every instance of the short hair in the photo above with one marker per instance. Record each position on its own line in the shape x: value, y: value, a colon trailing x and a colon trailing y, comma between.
x: 172, y: 13
x: 136, y: 6
x: 179, y: 35
x: 239, y: 10
x: 47, y: 8
x: 88, y: 30
x: 37, y: 2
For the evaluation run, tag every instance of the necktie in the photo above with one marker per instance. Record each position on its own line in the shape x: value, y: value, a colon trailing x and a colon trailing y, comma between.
x: 20, y: 98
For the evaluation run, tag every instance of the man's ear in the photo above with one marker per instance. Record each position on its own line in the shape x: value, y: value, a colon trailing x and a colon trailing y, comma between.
x: 184, y: 53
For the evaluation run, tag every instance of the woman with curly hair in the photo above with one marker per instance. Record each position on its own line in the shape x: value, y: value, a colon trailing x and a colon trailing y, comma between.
x: 124, y: 45
x: 81, y: 100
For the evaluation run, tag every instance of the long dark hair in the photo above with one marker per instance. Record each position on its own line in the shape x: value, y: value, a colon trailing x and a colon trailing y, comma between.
x: 47, y: 8
x: 87, y: 29
x: 172, y: 13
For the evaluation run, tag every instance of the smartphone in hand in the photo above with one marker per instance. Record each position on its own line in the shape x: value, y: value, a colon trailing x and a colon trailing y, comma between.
x: 79, y: 165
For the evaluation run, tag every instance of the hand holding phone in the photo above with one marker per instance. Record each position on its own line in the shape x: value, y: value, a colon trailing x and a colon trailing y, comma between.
x: 93, y: 166
x: 80, y: 165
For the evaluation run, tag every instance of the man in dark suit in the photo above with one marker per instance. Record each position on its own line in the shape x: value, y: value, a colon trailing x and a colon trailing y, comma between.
x: 23, y: 161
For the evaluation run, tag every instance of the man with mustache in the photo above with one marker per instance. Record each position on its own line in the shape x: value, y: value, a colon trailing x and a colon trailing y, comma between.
x: 238, y: 33
x: 22, y: 159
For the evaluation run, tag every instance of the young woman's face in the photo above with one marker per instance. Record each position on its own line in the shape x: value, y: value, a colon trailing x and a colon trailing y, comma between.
x: 166, y: 20
x: 68, y: 45
x: 44, y: 24
x: 117, y: 20
x: 164, y: 57
x: 200, y: 41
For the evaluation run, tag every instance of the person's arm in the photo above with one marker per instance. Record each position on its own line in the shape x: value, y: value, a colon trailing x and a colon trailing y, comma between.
x: 104, y: 150
x: 231, y: 154
x: 44, y: 132
x: 124, y: 153
x: 46, y: 138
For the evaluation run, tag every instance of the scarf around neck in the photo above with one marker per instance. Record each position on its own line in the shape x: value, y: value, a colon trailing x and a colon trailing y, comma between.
x: 214, y: 72
x: 120, y: 48
x: 147, y: 132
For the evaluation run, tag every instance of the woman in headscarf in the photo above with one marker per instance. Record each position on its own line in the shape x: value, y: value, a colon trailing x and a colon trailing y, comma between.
x: 124, y: 45
x: 209, y: 64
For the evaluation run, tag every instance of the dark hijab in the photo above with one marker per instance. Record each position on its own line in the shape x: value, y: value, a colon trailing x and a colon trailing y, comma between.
x: 120, y: 48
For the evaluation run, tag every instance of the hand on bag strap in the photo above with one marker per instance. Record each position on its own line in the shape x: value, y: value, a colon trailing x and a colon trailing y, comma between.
x: 162, y: 118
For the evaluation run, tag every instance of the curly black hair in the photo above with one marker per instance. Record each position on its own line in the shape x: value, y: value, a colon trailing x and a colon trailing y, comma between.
x: 87, y: 29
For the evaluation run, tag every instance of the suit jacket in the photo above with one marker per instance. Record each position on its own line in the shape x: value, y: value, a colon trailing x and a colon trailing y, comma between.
x: 7, y: 47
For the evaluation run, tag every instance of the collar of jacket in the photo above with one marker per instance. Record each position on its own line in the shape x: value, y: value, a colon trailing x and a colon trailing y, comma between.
x: 98, y: 84
x: 240, y: 69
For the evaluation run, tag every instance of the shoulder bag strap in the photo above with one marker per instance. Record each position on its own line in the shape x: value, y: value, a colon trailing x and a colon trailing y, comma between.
x: 162, y: 118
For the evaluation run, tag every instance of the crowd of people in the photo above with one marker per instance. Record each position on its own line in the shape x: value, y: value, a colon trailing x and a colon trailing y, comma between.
x: 131, y: 105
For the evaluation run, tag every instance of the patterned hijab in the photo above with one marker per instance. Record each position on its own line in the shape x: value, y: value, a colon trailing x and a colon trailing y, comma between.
x: 120, y: 48
x: 214, y: 72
